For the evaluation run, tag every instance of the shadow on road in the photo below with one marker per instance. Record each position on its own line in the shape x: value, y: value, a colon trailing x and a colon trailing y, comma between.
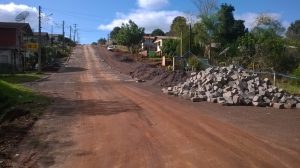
x: 72, y: 69
x: 65, y: 107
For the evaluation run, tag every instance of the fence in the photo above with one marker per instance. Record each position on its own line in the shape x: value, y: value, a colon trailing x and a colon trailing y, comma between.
x: 289, y: 83
x: 279, y: 79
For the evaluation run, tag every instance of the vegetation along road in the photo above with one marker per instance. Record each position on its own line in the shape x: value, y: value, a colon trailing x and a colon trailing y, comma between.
x: 101, y: 118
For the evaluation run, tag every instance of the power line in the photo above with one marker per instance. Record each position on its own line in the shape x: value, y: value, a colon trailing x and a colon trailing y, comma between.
x: 73, y: 13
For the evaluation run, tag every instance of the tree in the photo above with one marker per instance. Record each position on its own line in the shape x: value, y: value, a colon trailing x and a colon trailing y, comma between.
x: 169, y: 47
x: 268, y: 25
x: 102, y: 41
x: 206, y: 7
x: 229, y: 29
x: 157, y: 32
x: 205, y: 31
x: 293, y: 32
x: 180, y: 28
x: 114, y: 33
x: 179, y: 25
x: 130, y: 35
x: 265, y: 46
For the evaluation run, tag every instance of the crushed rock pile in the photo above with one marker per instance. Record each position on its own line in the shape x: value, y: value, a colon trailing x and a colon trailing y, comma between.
x: 232, y: 86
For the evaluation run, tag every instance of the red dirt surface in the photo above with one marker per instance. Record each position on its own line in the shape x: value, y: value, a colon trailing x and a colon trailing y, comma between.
x: 100, y: 118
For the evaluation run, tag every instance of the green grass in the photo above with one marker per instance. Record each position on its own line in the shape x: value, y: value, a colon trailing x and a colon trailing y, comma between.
x: 296, y: 72
x: 20, y: 78
x: 14, y: 95
x: 289, y: 87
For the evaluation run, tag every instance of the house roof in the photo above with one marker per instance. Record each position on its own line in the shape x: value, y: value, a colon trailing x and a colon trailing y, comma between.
x: 164, y: 38
x: 42, y: 34
x: 24, y: 26
x: 55, y: 35
x: 149, y: 37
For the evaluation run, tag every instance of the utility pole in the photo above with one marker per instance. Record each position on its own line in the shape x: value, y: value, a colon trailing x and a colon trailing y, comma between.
x: 190, y: 40
x: 63, y: 29
x: 74, y: 33
x: 51, y: 37
x: 70, y: 33
x: 181, y: 44
x: 40, y: 43
x: 108, y: 39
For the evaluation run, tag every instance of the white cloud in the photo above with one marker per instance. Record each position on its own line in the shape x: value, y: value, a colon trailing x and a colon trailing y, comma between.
x: 9, y: 11
x: 152, y: 4
x: 250, y: 18
x: 148, y: 19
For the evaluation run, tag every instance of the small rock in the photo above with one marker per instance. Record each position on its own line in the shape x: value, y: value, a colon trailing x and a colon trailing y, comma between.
x: 267, y: 100
x: 278, y: 105
x: 256, y: 98
x: 287, y: 106
x: 236, y: 99
x: 259, y: 104
x: 185, y: 96
x: 246, y: 102
x: 227, y: 94
x: 220, y: 100
x: 211, y: 100
x: 193, y: 73
x: 196, y: 99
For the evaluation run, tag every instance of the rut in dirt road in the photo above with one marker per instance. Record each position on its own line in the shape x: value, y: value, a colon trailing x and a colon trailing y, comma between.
x: 100, y: 118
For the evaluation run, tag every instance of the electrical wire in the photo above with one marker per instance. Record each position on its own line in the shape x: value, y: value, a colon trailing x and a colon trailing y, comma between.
x: 77, y: 15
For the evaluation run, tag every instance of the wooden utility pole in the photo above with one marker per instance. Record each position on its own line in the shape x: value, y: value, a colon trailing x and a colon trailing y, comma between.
x: 70, y: 33
x: 181, y: 44
x: 63, y: 31
x: 74, y: 33
x: 40, y: 43
x: 190, y: 39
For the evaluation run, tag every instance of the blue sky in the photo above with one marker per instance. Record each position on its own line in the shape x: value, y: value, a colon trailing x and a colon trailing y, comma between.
x: 95, y: 18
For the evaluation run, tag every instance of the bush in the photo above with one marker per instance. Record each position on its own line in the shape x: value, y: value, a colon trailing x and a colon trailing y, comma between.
x: 194, y: 63
x: 296, y: 72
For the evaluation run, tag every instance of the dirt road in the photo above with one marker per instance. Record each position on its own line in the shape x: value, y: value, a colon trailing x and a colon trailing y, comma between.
x: 101, y: 118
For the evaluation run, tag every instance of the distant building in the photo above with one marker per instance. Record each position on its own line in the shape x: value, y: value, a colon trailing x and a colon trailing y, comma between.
x: 55, y: 38
x: 44, y: 38
x: 147, y: 43
x: 13, y: 37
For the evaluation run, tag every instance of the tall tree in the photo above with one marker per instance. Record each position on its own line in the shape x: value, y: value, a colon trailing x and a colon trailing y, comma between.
x: 293, y: 32
x: 102, y: 41
x: 169, y: 47
x: 157, y: 32
x: 180, y: 28
x: 268, y: 25
x: 229, y: 29
x: 206, y: 7
x: 179, y: 25
x: 130, y: 35
x: 114, y: 33
x: 264, y: 45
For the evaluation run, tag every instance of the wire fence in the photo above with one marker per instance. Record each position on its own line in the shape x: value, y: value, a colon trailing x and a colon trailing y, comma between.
x: 279, y: 79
